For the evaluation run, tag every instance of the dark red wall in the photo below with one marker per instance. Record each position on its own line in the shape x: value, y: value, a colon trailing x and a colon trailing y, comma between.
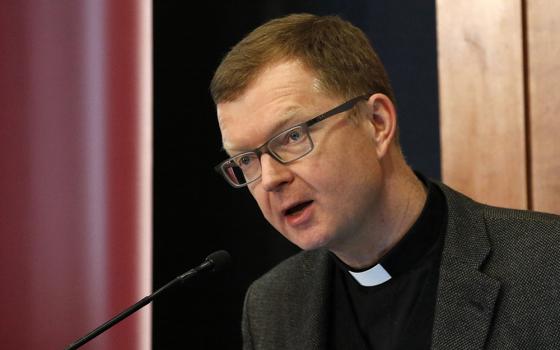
x: 75, y: 171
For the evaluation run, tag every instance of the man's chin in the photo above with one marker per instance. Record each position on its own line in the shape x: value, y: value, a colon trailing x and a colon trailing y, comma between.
x: 312, y: 242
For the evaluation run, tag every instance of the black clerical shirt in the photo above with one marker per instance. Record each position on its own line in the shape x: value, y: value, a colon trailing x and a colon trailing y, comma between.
x: 397, y: 312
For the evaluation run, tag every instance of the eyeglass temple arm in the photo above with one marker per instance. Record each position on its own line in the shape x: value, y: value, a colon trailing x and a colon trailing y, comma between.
x: 343, y: 107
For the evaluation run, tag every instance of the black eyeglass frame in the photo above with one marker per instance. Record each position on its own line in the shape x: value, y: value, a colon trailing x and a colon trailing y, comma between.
x: 265, y: 147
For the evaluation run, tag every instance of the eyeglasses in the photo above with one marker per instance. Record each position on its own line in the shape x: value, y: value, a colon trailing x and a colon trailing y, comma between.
x: 287, y: 146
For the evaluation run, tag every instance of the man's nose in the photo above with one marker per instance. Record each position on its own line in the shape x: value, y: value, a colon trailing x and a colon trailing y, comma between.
x: 273, y: 173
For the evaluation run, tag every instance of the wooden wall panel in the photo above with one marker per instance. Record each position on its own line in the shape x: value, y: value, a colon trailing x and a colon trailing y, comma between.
x: 481, y: 82
x: 543, y: 47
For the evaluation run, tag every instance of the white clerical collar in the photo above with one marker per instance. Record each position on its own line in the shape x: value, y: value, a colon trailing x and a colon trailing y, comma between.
x: 371, y: 277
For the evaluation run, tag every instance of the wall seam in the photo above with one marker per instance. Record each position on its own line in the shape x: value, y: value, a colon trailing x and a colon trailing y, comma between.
x: 527, y: 105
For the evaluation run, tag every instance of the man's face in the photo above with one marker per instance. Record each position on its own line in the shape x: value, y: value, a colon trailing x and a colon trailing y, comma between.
x: 325, y: 199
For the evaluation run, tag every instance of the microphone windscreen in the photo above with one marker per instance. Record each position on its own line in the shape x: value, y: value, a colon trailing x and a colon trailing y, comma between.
x: 221, y: 259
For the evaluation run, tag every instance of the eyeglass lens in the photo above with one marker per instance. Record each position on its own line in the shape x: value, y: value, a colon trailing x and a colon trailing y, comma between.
x: 285, y: 147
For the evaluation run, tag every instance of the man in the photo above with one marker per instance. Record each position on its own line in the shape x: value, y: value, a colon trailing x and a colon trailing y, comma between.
x: 391, y: 260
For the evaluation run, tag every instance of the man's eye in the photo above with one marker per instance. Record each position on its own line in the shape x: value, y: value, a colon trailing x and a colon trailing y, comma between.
x: 294, y: 135
x: 244, y: 161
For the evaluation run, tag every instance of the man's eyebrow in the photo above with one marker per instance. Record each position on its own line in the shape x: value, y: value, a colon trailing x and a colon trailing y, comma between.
x: 283, y: 122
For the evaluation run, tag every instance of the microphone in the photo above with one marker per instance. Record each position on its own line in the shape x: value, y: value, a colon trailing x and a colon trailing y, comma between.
x: 214, y: 262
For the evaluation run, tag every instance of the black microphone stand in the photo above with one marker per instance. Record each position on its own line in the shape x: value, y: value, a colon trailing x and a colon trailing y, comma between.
x: 222, y: 257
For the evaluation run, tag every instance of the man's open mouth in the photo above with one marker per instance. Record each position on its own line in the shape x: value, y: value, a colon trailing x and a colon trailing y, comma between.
x: 297, y: 208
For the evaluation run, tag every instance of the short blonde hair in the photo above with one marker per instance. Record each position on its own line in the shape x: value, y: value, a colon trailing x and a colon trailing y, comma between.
x: 334, y: 49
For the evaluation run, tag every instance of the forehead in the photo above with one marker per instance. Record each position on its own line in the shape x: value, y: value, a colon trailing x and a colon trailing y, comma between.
x: 282, y: 95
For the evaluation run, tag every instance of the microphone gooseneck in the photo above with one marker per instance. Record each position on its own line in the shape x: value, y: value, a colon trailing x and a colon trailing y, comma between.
x: 216, y: 261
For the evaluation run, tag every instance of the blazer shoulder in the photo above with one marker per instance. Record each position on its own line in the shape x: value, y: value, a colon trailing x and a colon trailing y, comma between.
x: 294, y: 270
x: 521, y: 216
x: 515, y: 237
x: 464, y: 205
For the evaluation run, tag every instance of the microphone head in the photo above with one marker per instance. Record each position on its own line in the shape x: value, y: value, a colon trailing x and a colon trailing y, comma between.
x: 220, y: 260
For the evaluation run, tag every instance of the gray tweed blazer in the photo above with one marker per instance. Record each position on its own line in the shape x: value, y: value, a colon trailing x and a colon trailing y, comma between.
x: 499, y: 286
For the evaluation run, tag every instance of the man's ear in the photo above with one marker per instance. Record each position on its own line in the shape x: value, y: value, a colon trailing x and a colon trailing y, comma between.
x: 383, y: 118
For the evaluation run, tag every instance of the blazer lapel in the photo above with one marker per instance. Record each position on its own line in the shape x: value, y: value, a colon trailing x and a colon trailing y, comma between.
x: 466, y: 296
x: 464, y: 308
